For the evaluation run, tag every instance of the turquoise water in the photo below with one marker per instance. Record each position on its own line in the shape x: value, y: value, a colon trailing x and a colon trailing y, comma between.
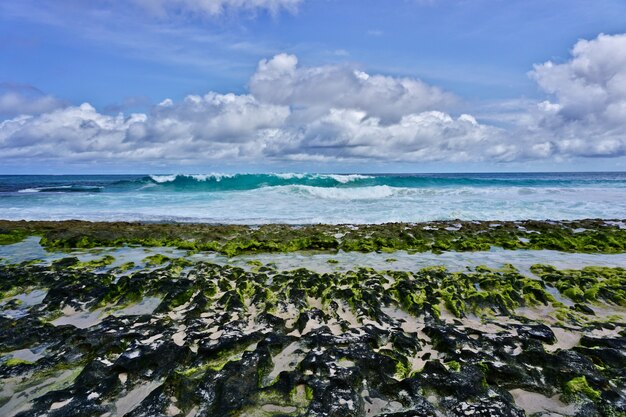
x: 314, y: 198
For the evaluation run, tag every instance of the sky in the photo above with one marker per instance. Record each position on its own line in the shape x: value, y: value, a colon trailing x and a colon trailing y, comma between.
x: 172, y: 86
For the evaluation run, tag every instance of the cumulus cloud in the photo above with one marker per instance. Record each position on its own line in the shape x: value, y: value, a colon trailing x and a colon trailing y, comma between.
x: 217, y: 7
x: 18, y: 99
x: 586, y: 115
x: 281, y: 81
x: 76, y: 132
x: 337, y: 113
x: 199, y: 128
x: 365, y: 122
x: 428, y: 136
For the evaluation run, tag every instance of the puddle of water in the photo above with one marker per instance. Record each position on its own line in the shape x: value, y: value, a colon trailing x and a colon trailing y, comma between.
x: 20, y: 398
x: 146, y: 306
x: 30, y: 355
x: 27, y: 300
x: 80, y: 319
x: 32, y: 298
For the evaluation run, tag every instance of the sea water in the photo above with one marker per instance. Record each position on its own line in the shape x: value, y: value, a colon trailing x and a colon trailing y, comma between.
x: 296, y: 198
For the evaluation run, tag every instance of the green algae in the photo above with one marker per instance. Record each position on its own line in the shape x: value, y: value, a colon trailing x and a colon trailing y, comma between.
x: 272, y: 403
x: 589, y: 284
x: 454, y: 365
x: 482, y: 291
x: 126, y: 266
x: 12, y: 236
x: 231, y: 240
x: 155, y: 260
x: 95, y: 263
x: 16, y: 362
x: 578, y: 388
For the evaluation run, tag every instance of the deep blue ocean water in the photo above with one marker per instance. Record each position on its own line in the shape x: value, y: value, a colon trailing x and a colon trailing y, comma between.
x: 314, y: 198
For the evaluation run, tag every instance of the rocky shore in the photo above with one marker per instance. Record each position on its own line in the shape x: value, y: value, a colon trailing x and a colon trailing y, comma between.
x: 174, y: 336
x: 588, y: 236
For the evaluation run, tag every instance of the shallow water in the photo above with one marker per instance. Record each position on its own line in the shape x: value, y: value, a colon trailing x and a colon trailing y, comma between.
x: 403, y: 261
x: 26, y: 301
x: 29, y: 355
x: 30, y: 249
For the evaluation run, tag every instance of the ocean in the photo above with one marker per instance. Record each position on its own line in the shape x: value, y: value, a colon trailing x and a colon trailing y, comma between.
x: 313, y: 198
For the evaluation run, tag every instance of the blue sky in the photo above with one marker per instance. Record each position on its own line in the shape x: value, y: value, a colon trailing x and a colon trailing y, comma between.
x: 474, y: 58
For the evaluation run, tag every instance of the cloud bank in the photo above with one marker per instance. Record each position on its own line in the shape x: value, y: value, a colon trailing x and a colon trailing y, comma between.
x: 337, y: 113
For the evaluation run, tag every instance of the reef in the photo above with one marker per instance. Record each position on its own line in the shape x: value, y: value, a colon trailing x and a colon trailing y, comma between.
x: 588, y: 236
x: 178, y: 338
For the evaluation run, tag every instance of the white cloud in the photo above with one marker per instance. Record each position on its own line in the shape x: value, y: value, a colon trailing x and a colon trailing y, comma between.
x: 199, y: 128
x: 427, y: 136
x: 217, y: 7
x: 318, y: 113
x: 72, y: 133
x: 281, y: 81
x: 587, y: 116
x: 337, y: 113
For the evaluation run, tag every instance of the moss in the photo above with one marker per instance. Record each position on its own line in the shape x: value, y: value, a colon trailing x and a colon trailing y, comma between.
x: 300, y: 396
x: 157, y: 259
x: 255, y: 263
x: 95, y: 263
x: 12, y: 236
x: 454, y: 365
x: 16, y: 362
x: 125, y: 267
x: 579, y: 387
x: 332, y: 261
x: 233, y: 240
x: 574, y: 293
x: 403, y: 370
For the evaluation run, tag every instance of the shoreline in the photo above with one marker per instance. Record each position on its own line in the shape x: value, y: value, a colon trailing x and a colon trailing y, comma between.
x: 584, y: 236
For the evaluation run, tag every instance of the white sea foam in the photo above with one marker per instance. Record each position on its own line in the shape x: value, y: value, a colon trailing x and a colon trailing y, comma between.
x: 163, y: 178
x: 344, y: 179
x: 214, y: 175
x: 358, y: 193
x: 290, y: 175
x: 217, y: 176
x: 59, y: 187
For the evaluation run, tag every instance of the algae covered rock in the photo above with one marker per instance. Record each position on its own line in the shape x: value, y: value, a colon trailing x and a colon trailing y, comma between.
x: 216, y: 340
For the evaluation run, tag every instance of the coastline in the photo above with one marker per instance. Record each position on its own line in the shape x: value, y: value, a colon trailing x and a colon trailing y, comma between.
x: 588, y: 235
x: 199, y: 319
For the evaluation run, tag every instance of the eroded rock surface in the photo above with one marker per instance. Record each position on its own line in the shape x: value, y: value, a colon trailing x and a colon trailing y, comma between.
x: 201, y: 339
